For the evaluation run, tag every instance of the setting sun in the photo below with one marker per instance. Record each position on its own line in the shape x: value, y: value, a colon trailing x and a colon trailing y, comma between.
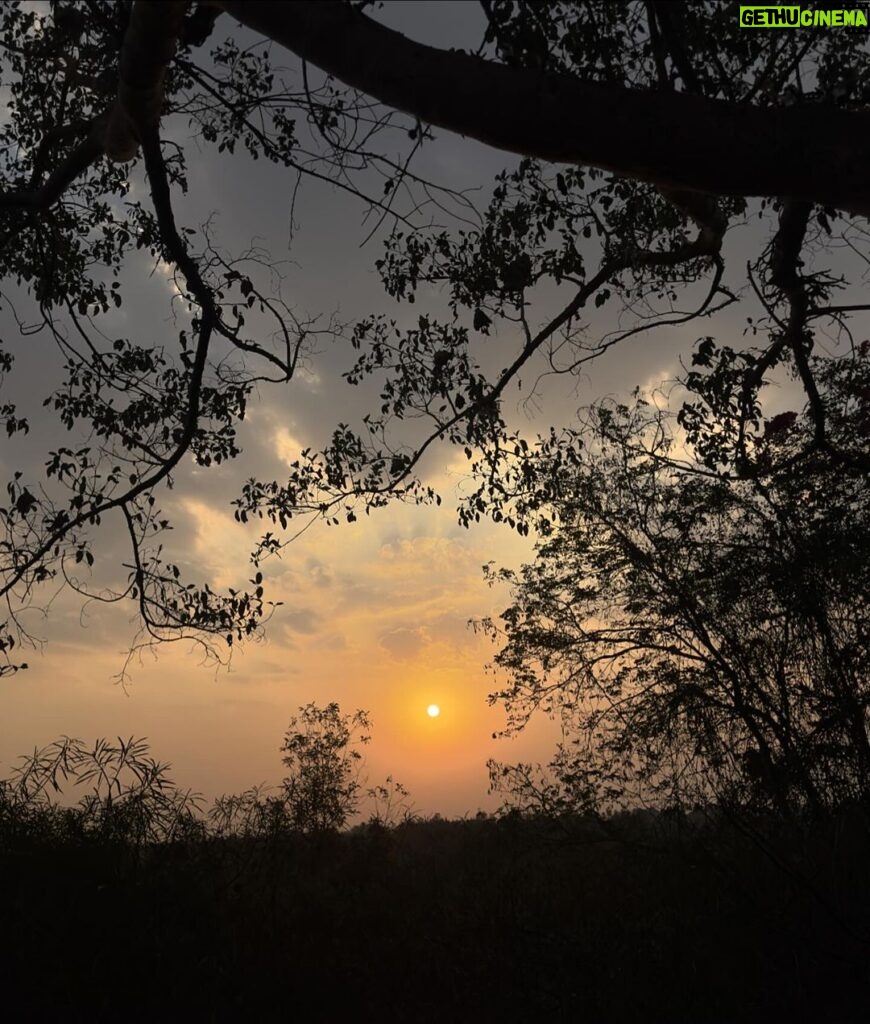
x: 433, y: 711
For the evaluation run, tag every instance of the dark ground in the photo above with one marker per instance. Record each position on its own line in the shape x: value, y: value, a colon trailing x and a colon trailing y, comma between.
x: 483, y: 920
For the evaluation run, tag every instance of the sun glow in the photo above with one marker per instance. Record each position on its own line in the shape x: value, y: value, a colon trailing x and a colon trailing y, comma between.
x: 433, y: 711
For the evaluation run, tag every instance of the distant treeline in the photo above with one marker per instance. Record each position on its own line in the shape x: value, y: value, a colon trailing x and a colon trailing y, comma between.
x: 641, y: 918
x: 136, y: 905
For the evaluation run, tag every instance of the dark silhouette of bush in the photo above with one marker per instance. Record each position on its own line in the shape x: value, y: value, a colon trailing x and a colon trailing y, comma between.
x: 639, y: 917
x: 130, y: 798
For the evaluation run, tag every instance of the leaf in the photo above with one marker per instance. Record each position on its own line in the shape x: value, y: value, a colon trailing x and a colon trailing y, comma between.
x: 481, y: 321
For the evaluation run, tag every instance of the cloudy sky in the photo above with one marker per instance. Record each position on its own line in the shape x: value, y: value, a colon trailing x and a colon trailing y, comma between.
x: 375, y: 614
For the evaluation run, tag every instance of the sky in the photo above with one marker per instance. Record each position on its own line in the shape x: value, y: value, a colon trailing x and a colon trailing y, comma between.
x: 375, y: 614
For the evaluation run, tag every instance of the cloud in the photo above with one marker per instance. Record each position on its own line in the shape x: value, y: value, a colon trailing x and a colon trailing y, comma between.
x: 405, y: 644
x: 302, y: 620
x: 319, y: 574
x: 452, y: 628
x: 286, y: 446
x: 219, y: 547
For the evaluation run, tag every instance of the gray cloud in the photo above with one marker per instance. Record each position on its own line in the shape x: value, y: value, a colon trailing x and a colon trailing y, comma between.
x: 404, y: 643
x: 302, y: 620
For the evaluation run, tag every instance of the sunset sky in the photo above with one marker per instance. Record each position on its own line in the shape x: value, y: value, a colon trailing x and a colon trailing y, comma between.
x: 375, y: 614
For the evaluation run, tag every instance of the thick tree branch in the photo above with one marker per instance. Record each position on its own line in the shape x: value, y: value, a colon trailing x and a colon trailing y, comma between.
x: 785, y: 261
x: 677, y: 140
x: 656, y: 46
x: 87, y: 152
x: 669, y: 17
x: 149, y: 45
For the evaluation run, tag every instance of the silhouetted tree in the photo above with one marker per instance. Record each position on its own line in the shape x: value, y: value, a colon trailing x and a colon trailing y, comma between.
x: 669, y: 124
x: 701, y: 636
x: 322, y: 788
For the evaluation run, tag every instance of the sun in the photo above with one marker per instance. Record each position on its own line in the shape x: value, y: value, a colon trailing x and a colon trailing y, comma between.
x: 433, y: 711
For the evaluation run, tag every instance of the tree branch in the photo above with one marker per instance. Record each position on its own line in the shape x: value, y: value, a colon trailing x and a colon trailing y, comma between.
x: 814, y: 152
x: 149, y: 45
x: 87, y: 152
x: 669, y: 18
x: 160, y: 194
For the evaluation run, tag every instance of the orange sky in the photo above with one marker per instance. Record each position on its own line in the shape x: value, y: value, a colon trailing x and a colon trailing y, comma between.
x: 375, y: 617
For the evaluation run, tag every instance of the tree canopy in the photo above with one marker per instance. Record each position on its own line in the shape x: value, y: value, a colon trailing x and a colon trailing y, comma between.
x: 700, y: 637
x: 323, y: 787
x: 648, y: 133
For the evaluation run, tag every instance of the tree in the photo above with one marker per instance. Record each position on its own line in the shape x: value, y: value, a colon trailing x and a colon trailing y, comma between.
x: 702, y: 637
x: 322, y: 789
x: 670, y: 124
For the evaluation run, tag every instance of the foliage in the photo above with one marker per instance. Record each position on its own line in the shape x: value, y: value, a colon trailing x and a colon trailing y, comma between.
x: 322, y: 788
x: 89, y: 80
x: 390, y: 803
x: 253, y: 813
x: 515, y: 916
x: 126, y: 798
x: 702, y: 636
x: 131, y: 801
x: 568, y: 786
